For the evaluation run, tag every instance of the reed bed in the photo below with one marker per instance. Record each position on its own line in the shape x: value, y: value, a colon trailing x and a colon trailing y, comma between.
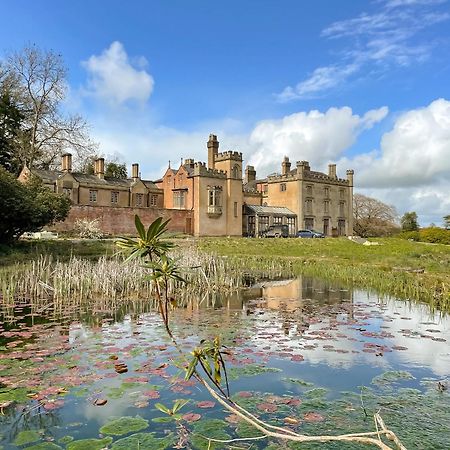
x: 111, y: 278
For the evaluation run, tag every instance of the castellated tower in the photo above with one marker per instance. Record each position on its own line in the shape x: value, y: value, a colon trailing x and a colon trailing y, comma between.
x: 231, y: 163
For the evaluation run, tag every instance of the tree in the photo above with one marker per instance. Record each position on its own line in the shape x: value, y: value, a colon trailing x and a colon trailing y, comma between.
x: 116, y: 170
x: 371, y: 217
x: 38, y: 82
x: 409, y: 221
x: 113, y: 168
x: 447, y: 222
x: 11, y: 118
x: 27, y: 207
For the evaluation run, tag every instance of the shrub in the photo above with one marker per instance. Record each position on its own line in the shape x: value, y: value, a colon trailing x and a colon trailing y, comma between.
x: 89, y: 229
x: 435, y: 235
x: 27, y: 207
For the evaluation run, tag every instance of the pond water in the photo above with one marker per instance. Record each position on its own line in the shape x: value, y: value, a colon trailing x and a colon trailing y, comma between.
x: 323, y: 356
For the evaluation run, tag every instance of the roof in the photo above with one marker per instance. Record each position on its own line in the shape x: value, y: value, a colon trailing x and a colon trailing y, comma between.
x: 50, y: 176
x: 268, y: 210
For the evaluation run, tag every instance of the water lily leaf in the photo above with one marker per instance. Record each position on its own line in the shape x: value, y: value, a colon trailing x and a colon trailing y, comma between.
x: 45, y: 446
x: 144, y: 441
x: 89, y: 444
x: 27, y: 437
x: 124, y: 425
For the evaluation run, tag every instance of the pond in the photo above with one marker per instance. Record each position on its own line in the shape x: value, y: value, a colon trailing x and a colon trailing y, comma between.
x: 304, y: 353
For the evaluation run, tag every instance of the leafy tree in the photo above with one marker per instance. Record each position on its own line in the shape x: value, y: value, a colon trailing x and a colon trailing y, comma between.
x: 113, y: 168
x: 371, y: 217
x: 38, y: 81
x: 116, y: 170
x: 27, y: 207
x: 409, y: 221
x: 11, y: 118
x: 447, y: 222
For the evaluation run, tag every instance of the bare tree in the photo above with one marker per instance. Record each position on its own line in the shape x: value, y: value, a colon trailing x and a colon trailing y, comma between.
x: 373, y: 217
x: 38, y: 79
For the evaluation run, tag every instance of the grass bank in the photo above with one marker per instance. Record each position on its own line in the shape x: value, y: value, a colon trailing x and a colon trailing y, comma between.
x: 402, y: 268
x: 59, y: 249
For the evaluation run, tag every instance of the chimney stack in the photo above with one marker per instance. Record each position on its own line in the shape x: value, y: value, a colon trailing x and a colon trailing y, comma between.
x: 99, y: 167
x: 302, y: 166
x: 332, y: 170
x: 135, y: 171
x: 250, y: 174
x: 285, y: 166
x: 66, y: 162
x: 213, y: 150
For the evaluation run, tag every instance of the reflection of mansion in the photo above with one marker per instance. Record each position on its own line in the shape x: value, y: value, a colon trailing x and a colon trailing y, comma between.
x: 209, y: 199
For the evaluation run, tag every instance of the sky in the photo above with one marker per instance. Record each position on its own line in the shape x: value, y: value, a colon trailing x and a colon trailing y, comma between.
x: 363, y: 84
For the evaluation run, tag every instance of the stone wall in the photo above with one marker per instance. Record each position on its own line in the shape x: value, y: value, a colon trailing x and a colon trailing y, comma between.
x: 116, y: 220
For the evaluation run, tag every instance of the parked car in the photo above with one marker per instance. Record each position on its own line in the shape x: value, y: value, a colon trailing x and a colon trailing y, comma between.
x: 309, y: 234
x: 276, y: 231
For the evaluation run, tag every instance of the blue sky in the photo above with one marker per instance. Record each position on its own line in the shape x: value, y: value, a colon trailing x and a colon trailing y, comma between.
x: 365, y: 84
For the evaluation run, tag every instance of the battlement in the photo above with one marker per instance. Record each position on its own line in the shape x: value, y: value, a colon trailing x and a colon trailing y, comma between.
x: 223, y: 156
x: 200, y: 169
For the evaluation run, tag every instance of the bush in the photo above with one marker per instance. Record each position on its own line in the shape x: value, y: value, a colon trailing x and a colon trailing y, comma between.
x: 27, y: 207
x: 88, y: 229
x: 433, y: 235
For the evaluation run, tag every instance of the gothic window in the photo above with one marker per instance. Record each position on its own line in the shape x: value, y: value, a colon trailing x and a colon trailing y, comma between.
x: 214, y: 200
x: 342, y: 209
x: 308, y: 206
x: 235, y: 171
x: 153, y: 200
x: 309, y: 190
x: 67, y: 192
x: 326, y: 192
x: 282, y: 187
x: 326, y: 206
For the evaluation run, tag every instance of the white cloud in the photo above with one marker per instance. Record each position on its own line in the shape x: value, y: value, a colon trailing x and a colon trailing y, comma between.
x: 314, y: 136
x: 113, y: 78
x: 390, y: 37
x: 321, y: 79
x: 412, y: 168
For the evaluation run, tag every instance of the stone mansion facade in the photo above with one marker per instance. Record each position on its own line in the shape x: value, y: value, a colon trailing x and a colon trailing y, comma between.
x: 209, y: 199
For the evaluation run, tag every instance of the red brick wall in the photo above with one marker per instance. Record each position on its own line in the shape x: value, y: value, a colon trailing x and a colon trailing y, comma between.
x: 121, y: 220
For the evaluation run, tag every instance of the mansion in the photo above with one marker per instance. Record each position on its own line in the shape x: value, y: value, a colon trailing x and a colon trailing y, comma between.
x: 208, y: 199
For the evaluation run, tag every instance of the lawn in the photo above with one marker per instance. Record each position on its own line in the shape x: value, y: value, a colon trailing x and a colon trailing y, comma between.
x: 406, y: 269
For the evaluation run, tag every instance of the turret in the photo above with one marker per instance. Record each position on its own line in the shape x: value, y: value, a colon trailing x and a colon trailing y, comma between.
x: 285, y: 166
x: 213, y: 150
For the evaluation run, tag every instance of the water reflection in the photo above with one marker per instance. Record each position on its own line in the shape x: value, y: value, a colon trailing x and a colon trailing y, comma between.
x: 326, y: 335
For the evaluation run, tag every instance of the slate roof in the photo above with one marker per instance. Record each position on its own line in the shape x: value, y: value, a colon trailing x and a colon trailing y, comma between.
x: 50, y: 176
x: 268, y: 210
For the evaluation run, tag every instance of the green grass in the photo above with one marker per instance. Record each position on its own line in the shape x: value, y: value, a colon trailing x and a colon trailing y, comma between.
x: 60, y: 249
x: 382, y: 267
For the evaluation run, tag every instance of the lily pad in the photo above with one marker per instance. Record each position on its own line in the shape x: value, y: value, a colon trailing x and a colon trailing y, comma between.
x: 211, y: 428
x: 143, y: 441
x: 249, y: 370
x: 391, y: 376
x: 65, y: 439
x: 124, y: 425
x: 89, y: 444
x: 45, y: 446
x: 27, y: 437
